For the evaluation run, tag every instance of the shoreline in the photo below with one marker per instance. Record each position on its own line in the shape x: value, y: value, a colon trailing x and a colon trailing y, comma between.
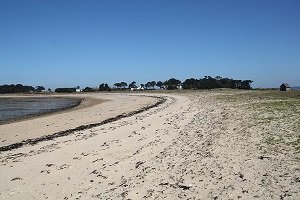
x: 40, y: 114
x: 81, y: 103
x: 33, y: 141
x: 94, y: 108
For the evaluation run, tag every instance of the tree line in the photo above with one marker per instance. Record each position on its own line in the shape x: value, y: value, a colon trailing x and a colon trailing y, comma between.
x: 207, y: 82
x: 19, y: 88
x: 218, y: 82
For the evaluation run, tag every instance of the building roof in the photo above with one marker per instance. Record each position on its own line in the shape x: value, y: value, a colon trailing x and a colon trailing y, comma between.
x: 286, y: 84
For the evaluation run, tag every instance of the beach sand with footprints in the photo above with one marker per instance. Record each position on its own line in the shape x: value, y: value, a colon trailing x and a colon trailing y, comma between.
x: 189, y: 145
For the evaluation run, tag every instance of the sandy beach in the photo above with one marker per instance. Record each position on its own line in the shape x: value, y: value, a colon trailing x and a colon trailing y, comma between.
x: 194, y: 145
x: 94, y: 108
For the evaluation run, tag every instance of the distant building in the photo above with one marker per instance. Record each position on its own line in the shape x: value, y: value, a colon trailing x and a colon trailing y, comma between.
x: 137, y: 88
x: 285, y: 87
x: 77, y: 89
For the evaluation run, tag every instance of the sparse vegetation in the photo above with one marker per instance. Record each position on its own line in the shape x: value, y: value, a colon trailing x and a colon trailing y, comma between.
x: 274, y: 114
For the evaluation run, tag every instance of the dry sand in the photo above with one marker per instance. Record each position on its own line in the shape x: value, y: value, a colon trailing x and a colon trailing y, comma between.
x: 193, y: 146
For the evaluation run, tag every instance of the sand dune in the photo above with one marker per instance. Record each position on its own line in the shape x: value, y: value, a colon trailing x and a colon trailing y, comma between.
x: 193, y: 146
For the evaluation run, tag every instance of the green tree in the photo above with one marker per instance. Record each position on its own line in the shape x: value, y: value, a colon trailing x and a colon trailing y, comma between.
x: 218, y: 77
x: 118, y: 85
x: 159, y: 84
x: 19, y: 88
x: 190, y: 84
x: 172, y: 84
x: 237, y: 84
x: 132, y: 85
x: 39, y: 88
x: 88, y: 89
x: 152, y: 84
x: 148, y: 85
x: 65, y: 90
x: 123, y: 85
x: 104, y: 87
x: 246, y: 84
x: 226, y: 83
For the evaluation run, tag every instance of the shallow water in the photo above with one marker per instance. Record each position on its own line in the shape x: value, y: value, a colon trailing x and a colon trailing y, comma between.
x: 18, y: 108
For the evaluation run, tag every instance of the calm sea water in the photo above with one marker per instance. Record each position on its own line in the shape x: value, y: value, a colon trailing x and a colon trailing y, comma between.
x: 17, y: 108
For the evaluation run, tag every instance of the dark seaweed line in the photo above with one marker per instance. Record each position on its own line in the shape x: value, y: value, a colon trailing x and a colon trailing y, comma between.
x: 79, y: 128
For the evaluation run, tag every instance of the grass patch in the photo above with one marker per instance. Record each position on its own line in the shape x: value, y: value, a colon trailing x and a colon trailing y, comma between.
x: 273, y: 141
x: 274, y: 114
x: 296, y: 144
x: 236, y: 95
x: 279, y: 106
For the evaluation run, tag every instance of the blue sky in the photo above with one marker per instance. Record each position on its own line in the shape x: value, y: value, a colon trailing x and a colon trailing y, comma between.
x: 59, y: 43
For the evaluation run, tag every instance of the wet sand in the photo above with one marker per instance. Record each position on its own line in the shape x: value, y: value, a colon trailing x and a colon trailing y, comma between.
x: 73, y: 102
